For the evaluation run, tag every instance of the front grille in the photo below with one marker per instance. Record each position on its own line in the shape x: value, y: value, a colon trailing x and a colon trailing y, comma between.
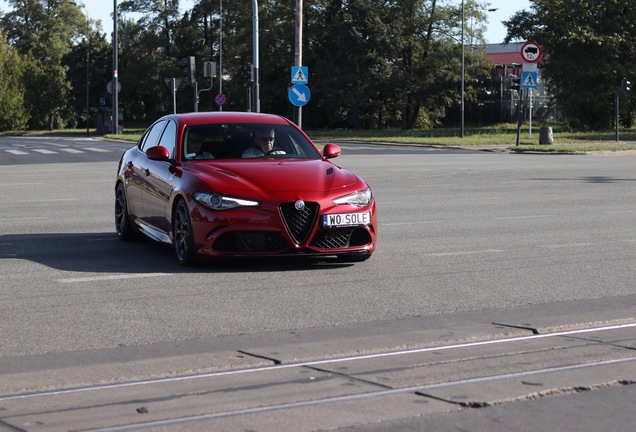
x: 251, y: 241
x: 338, y: 238
x: 299, y: 222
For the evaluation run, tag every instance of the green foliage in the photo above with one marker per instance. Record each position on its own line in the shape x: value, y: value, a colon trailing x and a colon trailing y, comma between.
x: 373, y: 64
x: 591, y: 47
x: 13, y: 115
x: 41, y: 30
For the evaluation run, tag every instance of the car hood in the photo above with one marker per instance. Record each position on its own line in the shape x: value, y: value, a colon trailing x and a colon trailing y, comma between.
x: 273, y: 176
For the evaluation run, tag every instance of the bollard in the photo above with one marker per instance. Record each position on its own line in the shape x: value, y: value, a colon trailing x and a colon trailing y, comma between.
x: 545, y: 135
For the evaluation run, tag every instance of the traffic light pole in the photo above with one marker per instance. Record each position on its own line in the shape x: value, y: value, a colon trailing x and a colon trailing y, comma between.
x: 520, y: 116
x: 616, y: 110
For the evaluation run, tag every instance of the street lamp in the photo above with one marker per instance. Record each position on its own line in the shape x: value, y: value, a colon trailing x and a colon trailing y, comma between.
x: 88, y: 42
x: 115, y: 121
x: 463, y: 78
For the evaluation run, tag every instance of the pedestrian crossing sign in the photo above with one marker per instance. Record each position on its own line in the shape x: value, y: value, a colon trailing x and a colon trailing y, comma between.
x: 299, y: 74
x: 529, y: 80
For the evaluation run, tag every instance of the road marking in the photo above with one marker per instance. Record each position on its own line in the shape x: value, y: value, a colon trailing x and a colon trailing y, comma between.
x: 525, y: 217
x: 98, y: 150
x: 111, y: 277
x: 17, y: 152
x: 24, y: 218
x: 71, y: 150
x: 48, y: 200
x: 567, y: 245
x: 44, y: 151
x: 411, y: 223
x: 460, y: 253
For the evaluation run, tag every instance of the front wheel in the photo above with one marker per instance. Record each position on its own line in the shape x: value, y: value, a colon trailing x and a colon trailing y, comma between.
x: 183, y: 235
x: 123, y: 225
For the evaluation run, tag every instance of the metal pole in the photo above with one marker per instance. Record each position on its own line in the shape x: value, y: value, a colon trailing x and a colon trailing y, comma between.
x: 174, y: 96
x: 88, y: 43
x: 299, y: 52
x: 530, y: 117
x: 256, y: 105
x: 519, y: 117
x: 115, y: 84
x: 220, y: 50
x: 616, y: 111
x: 463, y: 77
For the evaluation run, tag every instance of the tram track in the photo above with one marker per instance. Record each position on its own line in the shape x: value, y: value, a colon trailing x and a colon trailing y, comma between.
x: 446, y: 377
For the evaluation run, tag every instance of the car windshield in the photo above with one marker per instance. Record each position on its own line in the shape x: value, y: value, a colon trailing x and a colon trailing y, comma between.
x: 245, y: 140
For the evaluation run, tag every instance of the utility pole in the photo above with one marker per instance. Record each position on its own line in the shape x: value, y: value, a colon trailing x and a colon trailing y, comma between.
x: 299, y: 52
x: 115, y: 122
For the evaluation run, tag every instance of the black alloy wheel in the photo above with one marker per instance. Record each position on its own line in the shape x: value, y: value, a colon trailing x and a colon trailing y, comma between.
x: 123, y: 225
x: 183, y: 236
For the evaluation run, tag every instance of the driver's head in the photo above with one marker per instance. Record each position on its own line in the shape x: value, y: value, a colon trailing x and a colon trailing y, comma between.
x: 194, y: 141
x: 264, y: 138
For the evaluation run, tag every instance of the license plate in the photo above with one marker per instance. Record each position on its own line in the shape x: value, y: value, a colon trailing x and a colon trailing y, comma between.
x: 346, y: 219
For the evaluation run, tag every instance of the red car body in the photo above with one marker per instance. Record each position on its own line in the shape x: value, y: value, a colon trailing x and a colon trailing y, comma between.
x: 292, y: 202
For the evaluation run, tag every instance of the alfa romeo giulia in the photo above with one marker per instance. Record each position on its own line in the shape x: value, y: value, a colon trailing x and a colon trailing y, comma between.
x: 241, y: 184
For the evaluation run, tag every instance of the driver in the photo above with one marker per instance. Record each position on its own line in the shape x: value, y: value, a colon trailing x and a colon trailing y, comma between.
x: 195, y: 147
x: 263, y: 144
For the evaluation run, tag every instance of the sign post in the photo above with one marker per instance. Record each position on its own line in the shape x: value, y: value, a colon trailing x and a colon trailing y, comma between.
x: 531, y: 53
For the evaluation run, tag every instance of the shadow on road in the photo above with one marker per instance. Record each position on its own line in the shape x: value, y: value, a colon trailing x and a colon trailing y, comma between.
x: 105, y: 253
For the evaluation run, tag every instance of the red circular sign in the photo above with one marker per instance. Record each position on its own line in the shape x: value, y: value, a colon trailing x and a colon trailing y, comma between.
x: 220, y: 99
x: 531, y: 52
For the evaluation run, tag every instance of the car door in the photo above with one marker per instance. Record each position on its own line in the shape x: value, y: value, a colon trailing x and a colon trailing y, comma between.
x: 159, y: 175
x: 136, y: 181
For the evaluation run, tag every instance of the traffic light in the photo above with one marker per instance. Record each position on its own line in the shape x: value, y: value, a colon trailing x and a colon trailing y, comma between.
x: 247, y: 72
x: 625, y: 85
x: 516, y: 82
x: 209, y: 69
x: 190, y: 70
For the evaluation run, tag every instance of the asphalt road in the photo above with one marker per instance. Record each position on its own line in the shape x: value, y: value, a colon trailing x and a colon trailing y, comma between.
x: 502, y: 296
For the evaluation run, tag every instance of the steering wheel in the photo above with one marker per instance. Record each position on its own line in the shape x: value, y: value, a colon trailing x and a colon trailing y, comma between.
x: 275, y: 151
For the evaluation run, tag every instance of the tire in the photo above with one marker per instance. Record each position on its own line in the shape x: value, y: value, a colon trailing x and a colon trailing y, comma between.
x: 183, y: 235
x: 123, y: 225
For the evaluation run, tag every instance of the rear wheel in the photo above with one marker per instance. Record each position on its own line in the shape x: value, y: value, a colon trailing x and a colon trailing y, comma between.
x: 123, y: 225
x: 183, y: 236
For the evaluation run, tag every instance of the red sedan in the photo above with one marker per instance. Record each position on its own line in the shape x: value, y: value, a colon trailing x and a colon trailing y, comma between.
x: 239, y: 184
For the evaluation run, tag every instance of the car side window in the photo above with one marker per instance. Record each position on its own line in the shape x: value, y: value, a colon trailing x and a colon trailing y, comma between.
x: 169, y: 138
x: 151, y: 138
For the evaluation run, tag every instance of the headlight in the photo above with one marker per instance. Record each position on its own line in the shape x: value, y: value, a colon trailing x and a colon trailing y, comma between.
x: 220, y: 202
x: 360, y: 199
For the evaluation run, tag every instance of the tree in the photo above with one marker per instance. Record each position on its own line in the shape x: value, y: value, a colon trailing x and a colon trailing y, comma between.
x: 591, y: 46
x: 13, y: 116
x: 41, y: 31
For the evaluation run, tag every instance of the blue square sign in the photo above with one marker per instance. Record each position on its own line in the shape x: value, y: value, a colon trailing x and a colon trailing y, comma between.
x: 299, y: 74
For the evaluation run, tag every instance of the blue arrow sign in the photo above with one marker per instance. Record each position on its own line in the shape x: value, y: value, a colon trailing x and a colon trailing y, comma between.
x: 299, y: 94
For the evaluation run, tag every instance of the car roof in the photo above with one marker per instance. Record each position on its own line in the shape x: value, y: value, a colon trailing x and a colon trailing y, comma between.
x: 226, y: 117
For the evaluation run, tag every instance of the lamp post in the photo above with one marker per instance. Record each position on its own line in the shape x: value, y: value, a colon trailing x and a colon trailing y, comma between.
x: 88, y: 79
x: 115, y: 121
x: 88, y: 42
x: 461, y: 133
x: 256, y: 104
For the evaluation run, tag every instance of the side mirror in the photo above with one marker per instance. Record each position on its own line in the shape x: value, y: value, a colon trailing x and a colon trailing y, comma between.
x: 158, y: 153
x: 331, y: 151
